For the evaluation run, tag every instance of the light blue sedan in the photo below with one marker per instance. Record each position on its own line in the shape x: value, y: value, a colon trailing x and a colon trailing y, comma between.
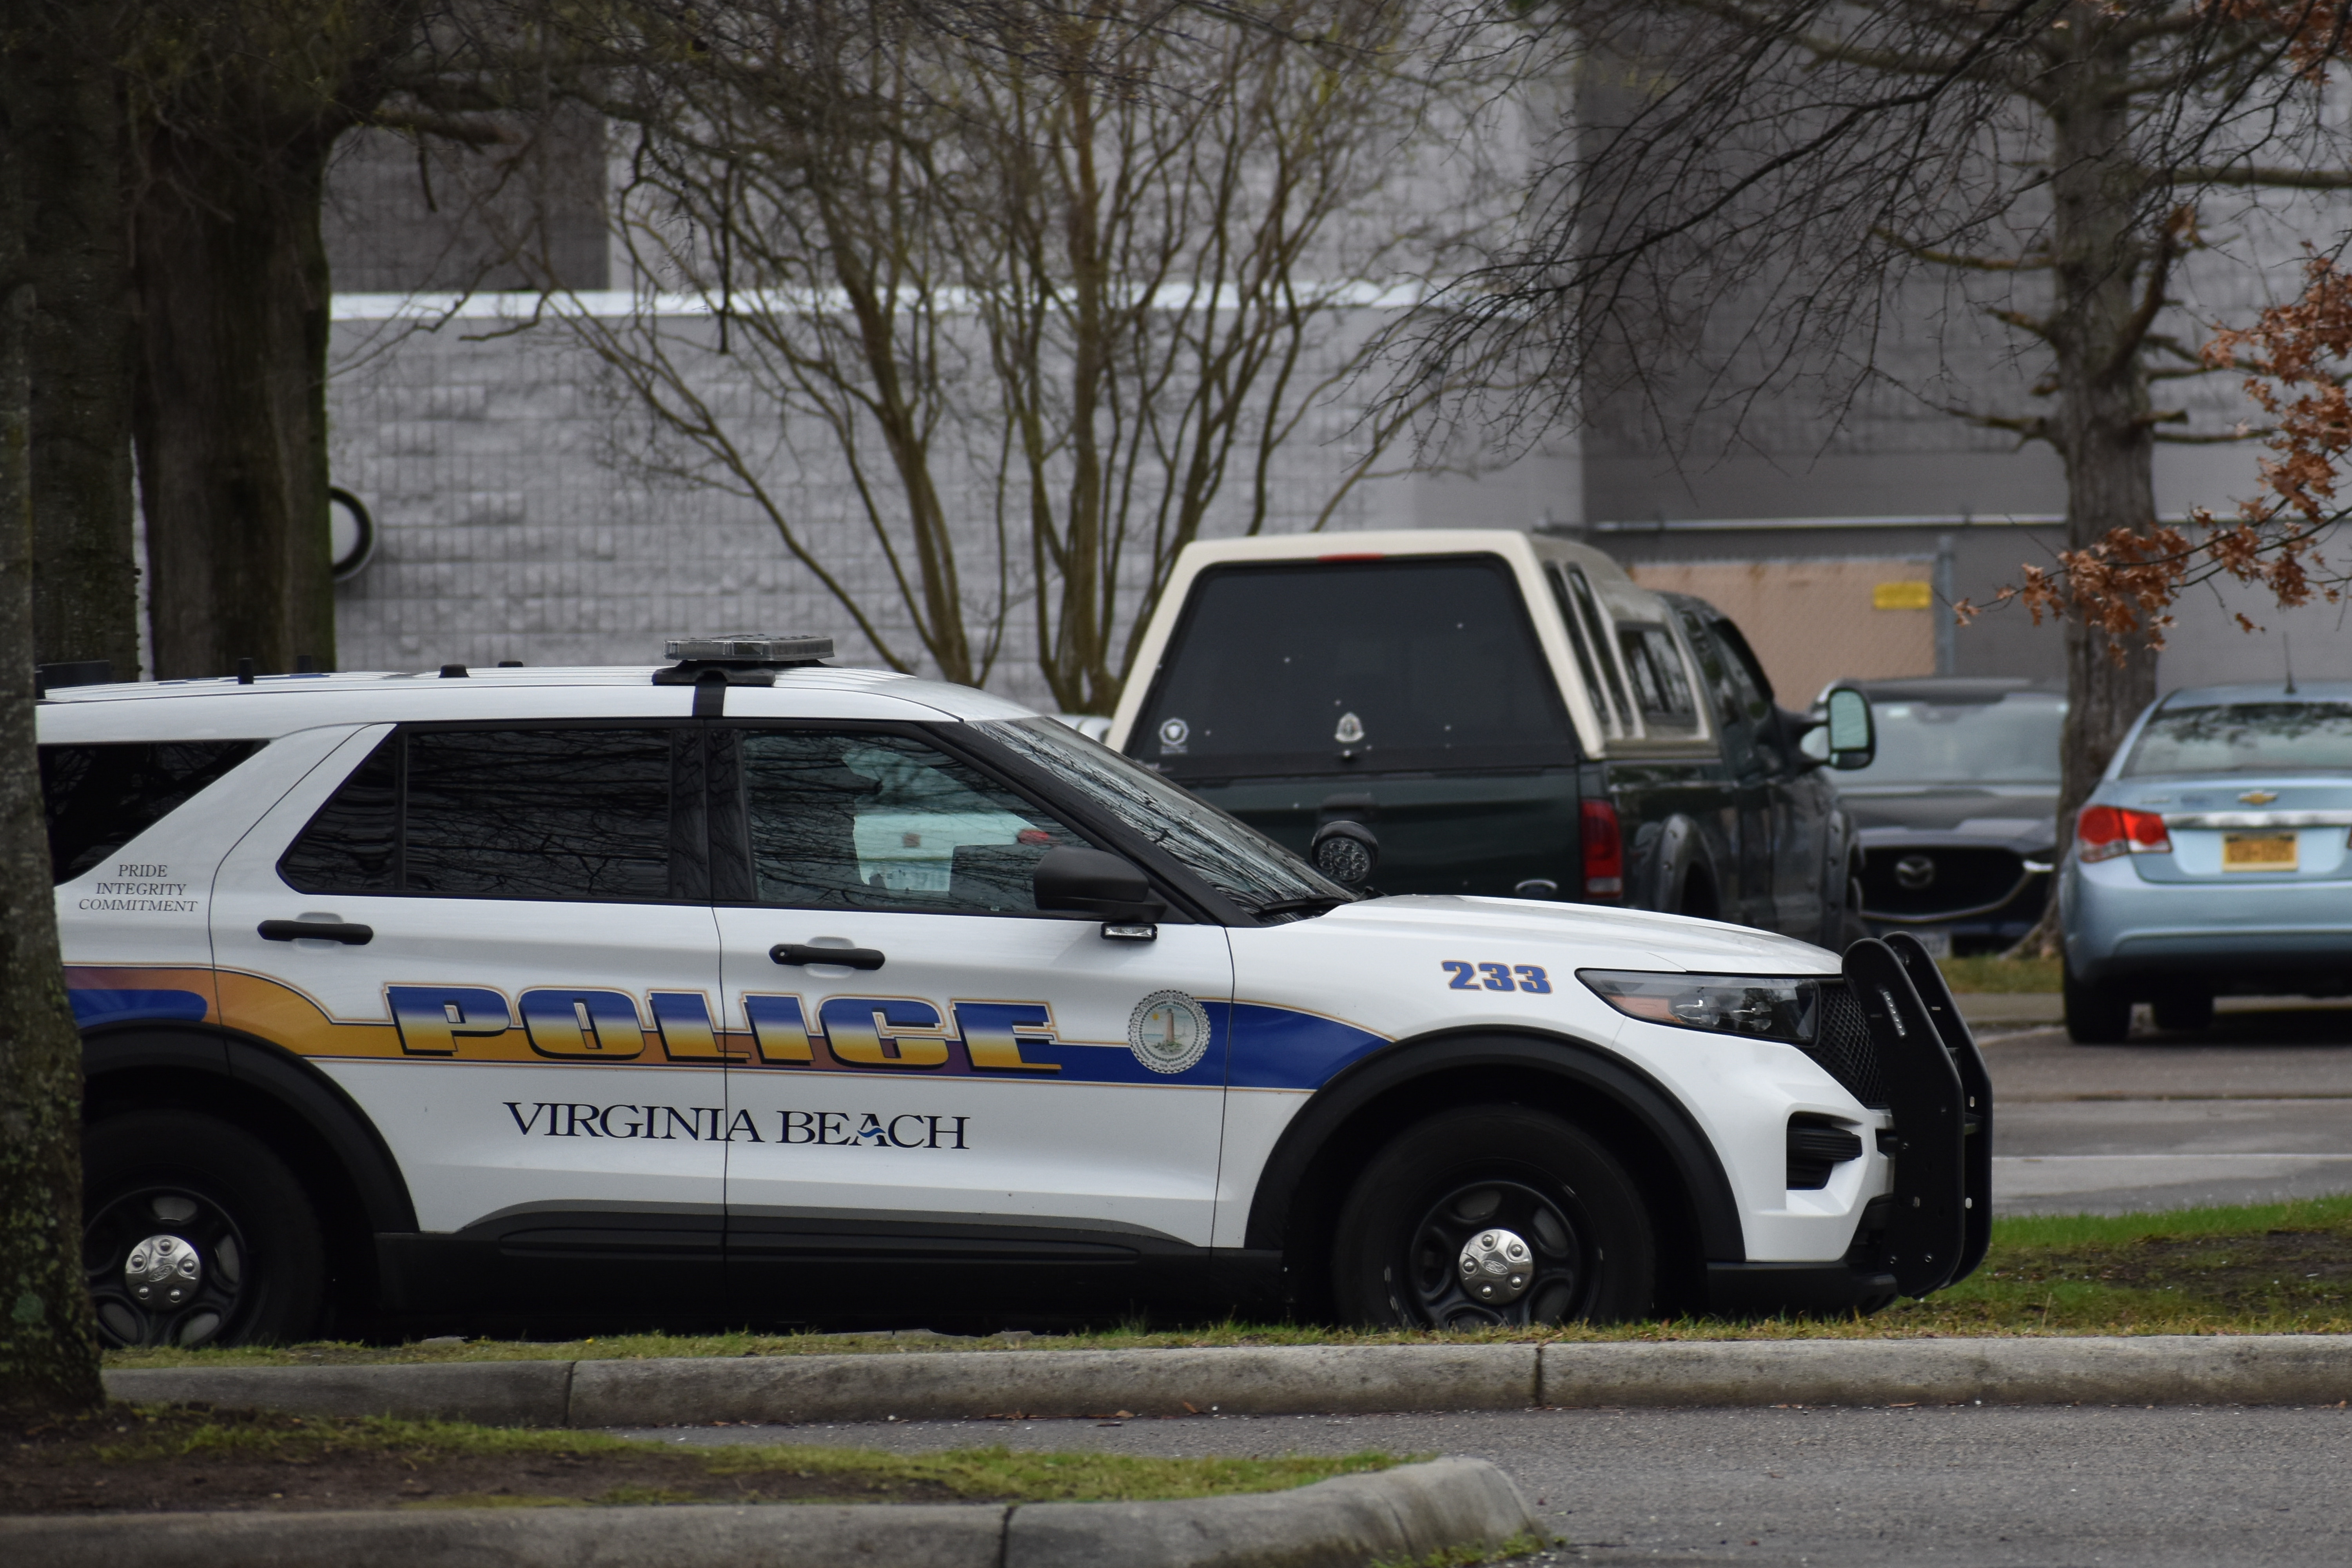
x: 2212, y: 859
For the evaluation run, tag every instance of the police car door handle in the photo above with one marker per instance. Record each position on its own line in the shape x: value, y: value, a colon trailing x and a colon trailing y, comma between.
x: 847, y: 957
x: 316, y: 930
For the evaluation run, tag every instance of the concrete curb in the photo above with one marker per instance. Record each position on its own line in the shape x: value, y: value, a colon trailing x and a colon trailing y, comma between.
x: 1405, y: 1513
x: 2277, y: 1369
x: 1268, y: 1381
x: 2283, y: 1369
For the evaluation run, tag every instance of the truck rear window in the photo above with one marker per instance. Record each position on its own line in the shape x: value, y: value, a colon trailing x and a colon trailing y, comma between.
x: 1428, y: 662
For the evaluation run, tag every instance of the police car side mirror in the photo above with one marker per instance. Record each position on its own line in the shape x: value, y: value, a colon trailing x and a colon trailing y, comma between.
x: 1347, y: 852
x: 1090, y: 882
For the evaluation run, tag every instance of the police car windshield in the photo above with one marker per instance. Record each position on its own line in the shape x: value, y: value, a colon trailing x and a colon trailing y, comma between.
x: 1237, y: 860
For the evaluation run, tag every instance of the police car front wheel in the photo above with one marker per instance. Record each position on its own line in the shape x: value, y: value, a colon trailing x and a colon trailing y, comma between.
x: 1493, y: 1216
x: 195, y: 1234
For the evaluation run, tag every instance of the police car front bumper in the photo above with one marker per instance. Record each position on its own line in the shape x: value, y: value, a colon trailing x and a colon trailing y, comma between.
x: 1932, y: 1226
x: 1937, y: 1221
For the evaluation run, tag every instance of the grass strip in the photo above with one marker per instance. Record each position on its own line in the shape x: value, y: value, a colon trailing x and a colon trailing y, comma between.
x: 167, y: 1435
x: 2261, y: 1269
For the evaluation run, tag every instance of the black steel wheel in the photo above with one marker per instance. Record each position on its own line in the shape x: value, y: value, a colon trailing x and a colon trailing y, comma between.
x: 1490, y: 1217
x: 195, y: 1233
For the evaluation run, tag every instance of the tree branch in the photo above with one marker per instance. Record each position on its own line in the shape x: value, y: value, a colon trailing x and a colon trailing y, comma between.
x: 1960, y: 259
x: 2258, y: 175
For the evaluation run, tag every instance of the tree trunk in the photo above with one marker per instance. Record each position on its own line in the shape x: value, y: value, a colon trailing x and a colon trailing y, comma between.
x: 230, y: 410
x: 85, y: 582
x: 2103, y: 430
x: 48, y: 1352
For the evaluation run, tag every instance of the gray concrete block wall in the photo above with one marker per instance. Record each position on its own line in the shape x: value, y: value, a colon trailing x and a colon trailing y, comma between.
x: 504, y: 532
x: 517, y: 517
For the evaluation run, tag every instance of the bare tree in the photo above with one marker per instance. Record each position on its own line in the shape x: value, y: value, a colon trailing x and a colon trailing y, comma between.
x: 176, y: 164
x: 48, y: 1349
x: 1048, y: 285
x: 2296, y: 357
x: 1754, y: 184
x: 85, y: 587
x: 237, y: 108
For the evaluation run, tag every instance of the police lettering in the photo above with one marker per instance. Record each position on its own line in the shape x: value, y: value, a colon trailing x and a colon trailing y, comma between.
x: 712, y: 1124
x: 908, y: 1130
x: 141, y: 890
x: 897, y: 1034
x: 665, y: 1124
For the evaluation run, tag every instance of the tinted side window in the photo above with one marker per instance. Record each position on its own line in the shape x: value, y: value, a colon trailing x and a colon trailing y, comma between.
x: 498, y: 813
x: 1574, y: 621
x: 1712, y: 667
x: 99, y: 798
x: 352, y: 844
x: 1750, y: 665
x: 1597, y: 624
x: 1656, y: 667
x: 1325, y: 667
x: 882, y: 822
x: 1736, y: 694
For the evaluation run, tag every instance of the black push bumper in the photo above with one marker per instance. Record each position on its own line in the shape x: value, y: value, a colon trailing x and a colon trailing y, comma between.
x: 1936, y: 1224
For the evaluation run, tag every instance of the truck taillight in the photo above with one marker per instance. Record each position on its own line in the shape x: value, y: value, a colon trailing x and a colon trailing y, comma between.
x: 1604, y: 850
x: 2104, y: 832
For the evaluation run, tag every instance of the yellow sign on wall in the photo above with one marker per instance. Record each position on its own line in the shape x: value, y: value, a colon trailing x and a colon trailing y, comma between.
x: 1902, y: 596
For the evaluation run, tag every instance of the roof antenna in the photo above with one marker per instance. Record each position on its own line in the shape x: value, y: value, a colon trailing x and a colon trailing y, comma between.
x: 2286, y: 646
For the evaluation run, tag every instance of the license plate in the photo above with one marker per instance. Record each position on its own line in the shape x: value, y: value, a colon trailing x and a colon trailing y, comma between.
x: 1936, y: 941
x: 2258, y: 852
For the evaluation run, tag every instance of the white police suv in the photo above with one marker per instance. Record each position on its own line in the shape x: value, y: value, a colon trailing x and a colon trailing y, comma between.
x: 748, y: 990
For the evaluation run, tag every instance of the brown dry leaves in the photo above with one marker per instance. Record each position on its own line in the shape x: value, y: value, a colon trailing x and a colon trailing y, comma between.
x: 2296, y: 357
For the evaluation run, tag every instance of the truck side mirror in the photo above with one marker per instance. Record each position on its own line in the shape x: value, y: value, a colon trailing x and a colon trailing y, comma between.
x: 1091, y: 882
x: 1346, y: 852
x: 1853, y: 732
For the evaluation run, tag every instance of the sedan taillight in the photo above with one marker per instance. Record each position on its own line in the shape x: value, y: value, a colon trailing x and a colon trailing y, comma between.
x: 2104, y: 832
x: 1604, y: 850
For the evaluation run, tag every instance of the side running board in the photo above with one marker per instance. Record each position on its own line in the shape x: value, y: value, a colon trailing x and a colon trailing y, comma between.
x: 1942, y: 1194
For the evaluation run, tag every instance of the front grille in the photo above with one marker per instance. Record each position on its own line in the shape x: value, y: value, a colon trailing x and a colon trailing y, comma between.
x: 1841, y: 1045
x: 1900, y: 883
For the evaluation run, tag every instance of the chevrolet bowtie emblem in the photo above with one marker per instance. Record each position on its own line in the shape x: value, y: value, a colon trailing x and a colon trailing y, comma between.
x: 2256, y: 797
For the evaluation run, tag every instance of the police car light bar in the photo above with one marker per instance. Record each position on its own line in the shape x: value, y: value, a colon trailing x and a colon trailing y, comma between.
x: 748, y: 648
x: 711, y: 665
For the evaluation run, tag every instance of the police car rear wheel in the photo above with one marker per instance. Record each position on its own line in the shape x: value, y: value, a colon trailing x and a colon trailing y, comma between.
x: 1492, y: 1216
x: 194, y: 1234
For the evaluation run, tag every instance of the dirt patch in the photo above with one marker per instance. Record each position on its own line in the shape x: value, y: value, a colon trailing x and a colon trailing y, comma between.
x: 2279, y: 1270
x: 126, y: 1462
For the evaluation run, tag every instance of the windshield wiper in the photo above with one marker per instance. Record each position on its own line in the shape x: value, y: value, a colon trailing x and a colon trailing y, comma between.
x: 1319, y: 903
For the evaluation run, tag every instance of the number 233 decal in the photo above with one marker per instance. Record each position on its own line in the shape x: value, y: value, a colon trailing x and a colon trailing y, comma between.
x: 1496, y: 976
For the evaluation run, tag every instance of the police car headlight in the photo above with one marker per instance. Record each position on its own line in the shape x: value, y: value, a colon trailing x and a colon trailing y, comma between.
x: 1763, y: 1007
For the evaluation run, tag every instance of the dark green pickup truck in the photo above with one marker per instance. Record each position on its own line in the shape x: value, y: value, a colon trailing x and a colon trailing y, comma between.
x: 1508, y: 714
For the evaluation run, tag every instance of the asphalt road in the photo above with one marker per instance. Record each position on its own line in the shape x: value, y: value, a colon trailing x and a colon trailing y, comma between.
x: 2258, y: 1108
x: 2255, y: 1110
x: 1864, y: 1487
